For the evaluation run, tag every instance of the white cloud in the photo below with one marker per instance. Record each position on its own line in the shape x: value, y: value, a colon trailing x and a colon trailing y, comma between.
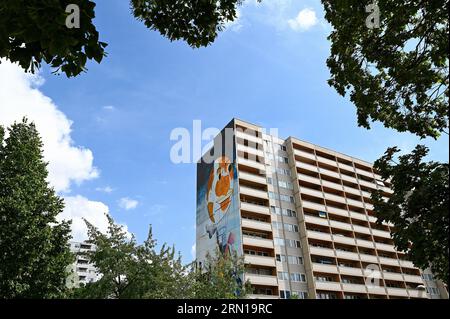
x: 79, y: 207
x: 106, y: 189
x: 109, y: 108
x: 305, y: 19
x: 128, y: 203
x: 68, y: 163
x: 19, y: 97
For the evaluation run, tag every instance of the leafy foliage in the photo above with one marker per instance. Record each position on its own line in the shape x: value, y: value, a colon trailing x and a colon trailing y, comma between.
x: 195, y: 21
x: 397, y: 73
x: 220, y: 278
x: 34, y: 249
x: 129, y: 270
x: 32, y: 31
x: 419, y: 207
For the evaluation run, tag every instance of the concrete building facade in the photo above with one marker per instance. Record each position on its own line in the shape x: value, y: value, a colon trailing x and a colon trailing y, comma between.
x: 302, y: 217
x: 83, y: 271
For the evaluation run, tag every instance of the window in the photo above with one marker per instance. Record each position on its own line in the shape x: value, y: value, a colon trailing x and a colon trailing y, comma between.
x: 295, y: 260
x: 283, y: 275
x: 300, y: 294
x: 322, y: 214
x: 290, y: 227
x: 323, y: 278
x: 280, y: 147
x: 293, y: 243
x: 295, y: 276
x: 269, y: 156
x: 284, y: 211
x: 282, y: 159
x: 279, y: 241
x: 287, y: 198
x: 287, y: 185
x: 269, y: 180
x: 281, y: 258
x: 285, y: 294
x: 281, y: 171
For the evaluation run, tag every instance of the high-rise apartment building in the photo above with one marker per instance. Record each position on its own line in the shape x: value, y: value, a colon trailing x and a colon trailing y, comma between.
x: 83, y: 270
x: 302, y: 217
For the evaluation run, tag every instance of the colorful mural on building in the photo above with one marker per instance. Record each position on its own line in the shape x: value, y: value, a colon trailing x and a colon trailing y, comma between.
x: 218, y: 215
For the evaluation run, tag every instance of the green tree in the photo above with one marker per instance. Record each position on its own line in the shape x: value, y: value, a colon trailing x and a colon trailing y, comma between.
x: 419, y: 207
x: 129, y: 270
x: 220, y: 277
x: 34, y: 248
x: 396, y: 73
x: 32, y: 31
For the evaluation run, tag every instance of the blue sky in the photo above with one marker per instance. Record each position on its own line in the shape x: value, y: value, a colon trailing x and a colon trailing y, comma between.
x: 263, y: 69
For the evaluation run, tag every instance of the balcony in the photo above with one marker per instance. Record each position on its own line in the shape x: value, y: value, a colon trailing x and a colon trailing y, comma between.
x: 254, y: 224
x: 340, y: 225
x: 252, y: 178
x: 376, y: 290
x: 311, y: 192
x: 392, y: 276
x: 397, y: 292
x: 367, y: 184
x: 346, y: 167
x: 343, y: 240
x: 406, y: 264
x: 355, y: 203
x: 323, y: 268
x: 328, y: 285
x: 354, y: 288
x: 316, y: 220
x: 259, y: 209
x: 335, y: 198
x: 321, y: 251
x: 338, y: 211
x: 318, y: 235
x: 414, y: 279
x: 263, y: 280
x: 361, y: 229
x: 261, y: 167
x: 358, y: 216
x: 347, y: 255
x: 381, y: 233
x: 349, y: 179
x: 253, y: 192
x: 314, y: 206
x: 350, y: 271
x: 250, y: 150
x: 389, y: 261
x: 365, y: 243
x: 352, y: 190
x: 328, y: 172
x: 249, y: 137
x: 368, y: 258
x: 307, y: 178
x: 304, y: 154
x: 364, y: 173
x: 306, y: 166
x: 385, y: 247
x: 326, y: 161
x: 332, y: 185
x: 257, y: 242
x: 259, y: 260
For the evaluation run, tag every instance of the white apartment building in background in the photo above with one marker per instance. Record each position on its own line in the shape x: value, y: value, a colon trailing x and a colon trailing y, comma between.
x: 84, y: 271
x: 302, y: 217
